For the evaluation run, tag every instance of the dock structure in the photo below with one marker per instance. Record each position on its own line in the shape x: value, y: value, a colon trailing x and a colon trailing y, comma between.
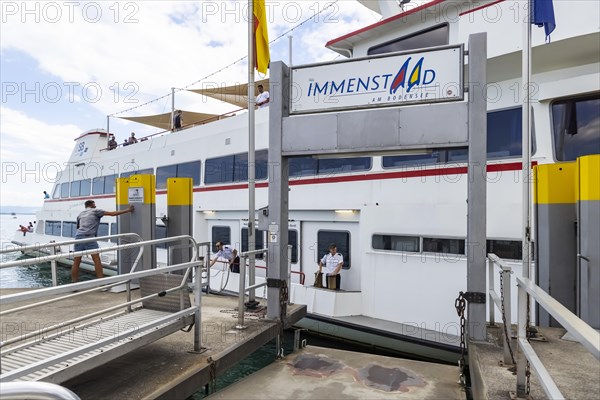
x: 320, y: 373
x: 574, y: 369
x: 167, y: 368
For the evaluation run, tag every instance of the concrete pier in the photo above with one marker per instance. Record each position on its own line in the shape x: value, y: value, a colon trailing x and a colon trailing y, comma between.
x: 575, y: 371
x: 320, y: 373
x: 167, y: 368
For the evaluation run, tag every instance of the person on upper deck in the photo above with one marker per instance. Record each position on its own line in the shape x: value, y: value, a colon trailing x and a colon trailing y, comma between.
x: 177, y: 120
x: 88, y: 222
x: 333, y: 262
x: 132, y: 138
x: 262, y: 100
x: 222, y: 251
x: 112, y: 143
x: 46, y: 195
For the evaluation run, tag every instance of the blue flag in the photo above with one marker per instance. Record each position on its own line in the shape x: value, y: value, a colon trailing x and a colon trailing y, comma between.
x: 542, y: 14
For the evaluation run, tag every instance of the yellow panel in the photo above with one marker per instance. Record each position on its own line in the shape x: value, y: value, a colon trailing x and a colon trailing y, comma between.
x: 555, y: 183
x: 589, y: 177
x: 148, y: 183
x: 179, y: 191
x: 122, y: 187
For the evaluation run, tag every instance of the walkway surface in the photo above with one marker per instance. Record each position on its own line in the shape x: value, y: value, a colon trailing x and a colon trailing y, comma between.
x: 166, y: 368
x: 575, y: 371
x: 320, y: 373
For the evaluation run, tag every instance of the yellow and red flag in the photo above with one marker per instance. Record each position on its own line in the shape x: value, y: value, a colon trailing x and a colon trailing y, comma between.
x: 261, y: 37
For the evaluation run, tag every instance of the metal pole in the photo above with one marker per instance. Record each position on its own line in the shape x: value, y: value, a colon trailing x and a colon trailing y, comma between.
x: 521, y: 334
x: 251, y: 150
x: 53, y: 267
x: 290, y: 40
x: 508, y: 316
x: 198, y: 299
x: 172, y: 108
x: 242, y: 288
x: 289, y: 277
x: 491, y: 288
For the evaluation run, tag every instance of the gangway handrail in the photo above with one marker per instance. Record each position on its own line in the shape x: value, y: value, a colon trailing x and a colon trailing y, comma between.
x: 178, y: 317
x: 585, y: 334
x: 35, y: 390
x: 54, y: 244
x: 506, y: 271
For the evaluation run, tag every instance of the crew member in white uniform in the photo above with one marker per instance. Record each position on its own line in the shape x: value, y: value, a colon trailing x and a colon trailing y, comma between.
x: 262, y: 100
x: 333, y: 262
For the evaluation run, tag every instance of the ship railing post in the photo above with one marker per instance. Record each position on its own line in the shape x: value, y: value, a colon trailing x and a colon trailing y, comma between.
x: 491, y: 304
x: 198, y: 299
x: 289, y: 275
x: 53, y: 267
x: 521, y: 335
x: 242, y: 292
x: 506, y: 272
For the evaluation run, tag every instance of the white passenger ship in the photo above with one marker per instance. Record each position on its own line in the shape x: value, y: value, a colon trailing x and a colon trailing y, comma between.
x: 399, y: 220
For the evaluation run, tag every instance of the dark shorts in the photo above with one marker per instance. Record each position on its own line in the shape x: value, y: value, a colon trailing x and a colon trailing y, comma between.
x: 86, y: 245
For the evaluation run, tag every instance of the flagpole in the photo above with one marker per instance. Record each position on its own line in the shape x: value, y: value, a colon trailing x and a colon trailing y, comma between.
x: 251, y: 149
x: 526, y: 144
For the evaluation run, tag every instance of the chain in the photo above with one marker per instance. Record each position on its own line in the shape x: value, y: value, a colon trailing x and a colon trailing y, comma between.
x: 506, y: 334
x: 283, y: 298
x: 527, y: 368
x: 212, y: 375
x: 460, y: 304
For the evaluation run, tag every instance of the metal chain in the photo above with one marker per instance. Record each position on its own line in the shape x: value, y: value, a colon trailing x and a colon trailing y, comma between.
x: 460, y: 304
x: 283, y: 298
x: 212, y: 375
x: 506, y: 331
x: 527, y: 368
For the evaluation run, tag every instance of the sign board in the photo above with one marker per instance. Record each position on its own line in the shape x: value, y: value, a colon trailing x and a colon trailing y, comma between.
x: 135, y: 195
x: 388, y: 80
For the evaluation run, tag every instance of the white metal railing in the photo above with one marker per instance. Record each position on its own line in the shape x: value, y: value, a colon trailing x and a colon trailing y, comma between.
x: 503, y: 302
x: 585, y: 334
x: 35, y: 390
x: 81, y: 288
x: 54, y: 257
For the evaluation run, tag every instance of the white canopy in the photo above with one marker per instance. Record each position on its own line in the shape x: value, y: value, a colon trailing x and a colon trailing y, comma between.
x: 163, y: 121
x: 236, y: 94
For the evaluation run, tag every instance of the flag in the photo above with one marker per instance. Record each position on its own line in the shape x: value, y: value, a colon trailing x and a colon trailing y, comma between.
x: 542, y: 14
x: 261, y: 37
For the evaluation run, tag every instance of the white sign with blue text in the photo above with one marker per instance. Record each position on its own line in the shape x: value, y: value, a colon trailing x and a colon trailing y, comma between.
x: 389, y: 80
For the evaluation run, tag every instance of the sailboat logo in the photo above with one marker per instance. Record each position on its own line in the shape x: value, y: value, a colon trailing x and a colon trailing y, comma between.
x: 418, y: 76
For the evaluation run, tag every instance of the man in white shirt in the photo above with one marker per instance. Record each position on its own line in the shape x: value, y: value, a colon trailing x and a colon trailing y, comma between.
x: 262, y: 100
x: 222, y: 251
x: 333, y: 262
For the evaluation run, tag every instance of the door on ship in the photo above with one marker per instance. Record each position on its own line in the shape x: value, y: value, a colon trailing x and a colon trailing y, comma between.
x: 316, y: 238
x: 226, y: 231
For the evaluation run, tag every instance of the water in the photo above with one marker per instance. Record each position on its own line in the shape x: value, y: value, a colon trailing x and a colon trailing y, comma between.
x: 33, y: 276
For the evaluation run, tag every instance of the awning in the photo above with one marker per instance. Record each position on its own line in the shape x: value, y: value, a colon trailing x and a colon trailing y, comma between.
x: 163, y: 121
x: 236, y: 94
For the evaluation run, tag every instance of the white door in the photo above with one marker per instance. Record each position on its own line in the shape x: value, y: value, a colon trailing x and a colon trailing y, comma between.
x: 316, y: 237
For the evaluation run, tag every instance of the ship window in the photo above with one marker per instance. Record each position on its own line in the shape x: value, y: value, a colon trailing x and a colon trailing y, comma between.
x: 222, y: 234
x: 114, y: 230
x: 161, y: 233
x: 98, y: 185
x: 69, y: 229
x: 147, y: 171
x: 506, y: 249
x: 52, y: 228
x: 64, y: 190
x: 184, y: 170
x: 444, y: 246
x: 302, y: 166
x: 109, y: 184
x: 341, y: 240
x: 86, y: 186
x: 75, y: 186
x: 293, y: 241
x: 259, y: 241
x: 218, y: 170
x: 396, y: 243
x: 102, y: 229
x: 436, y: 36
x: 56, y: 193
x: 240, y: 173
x: 504, y: 136
x: 576, y: 126
x: 410, y: 161
x: 343, y: 165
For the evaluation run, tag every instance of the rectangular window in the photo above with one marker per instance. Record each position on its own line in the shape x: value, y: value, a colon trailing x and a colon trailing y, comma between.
x: 302, y: 166
x: 396, y: 243
x: 110, y: 184
x: 190, y: 170
x: 293, y: 241
x: 240, y: 173
x: 218, y: 170
x: 75, y: 186
x: 411, y: 161
x: 222, y: 234
x: 341, y: 240
x: 52, y: 228
x: 576, y: 127
x: 164, y: 173
x: 98, y: 185
x: 147, y: 171
x: 56, y: 193
x: 507, y: 249
x: 85, y: 187
x: 344, y: 165
x: 258, y: 239
x: 64, y: 190
x: 444, y: 246
x: 102, y: 229
x: 436, y: 36
x: 69, y: 229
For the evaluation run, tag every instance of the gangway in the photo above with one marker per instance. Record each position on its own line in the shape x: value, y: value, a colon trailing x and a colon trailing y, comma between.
x: 85, y: 342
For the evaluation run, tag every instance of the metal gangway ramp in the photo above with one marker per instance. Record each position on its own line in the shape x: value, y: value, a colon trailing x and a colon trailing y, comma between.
x: 62, y: 351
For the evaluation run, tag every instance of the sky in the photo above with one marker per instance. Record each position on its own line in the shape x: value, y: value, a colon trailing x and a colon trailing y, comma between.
x: 66, y: 65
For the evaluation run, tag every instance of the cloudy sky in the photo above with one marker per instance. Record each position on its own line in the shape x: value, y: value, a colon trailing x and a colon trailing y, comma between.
x: 65, y: 66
